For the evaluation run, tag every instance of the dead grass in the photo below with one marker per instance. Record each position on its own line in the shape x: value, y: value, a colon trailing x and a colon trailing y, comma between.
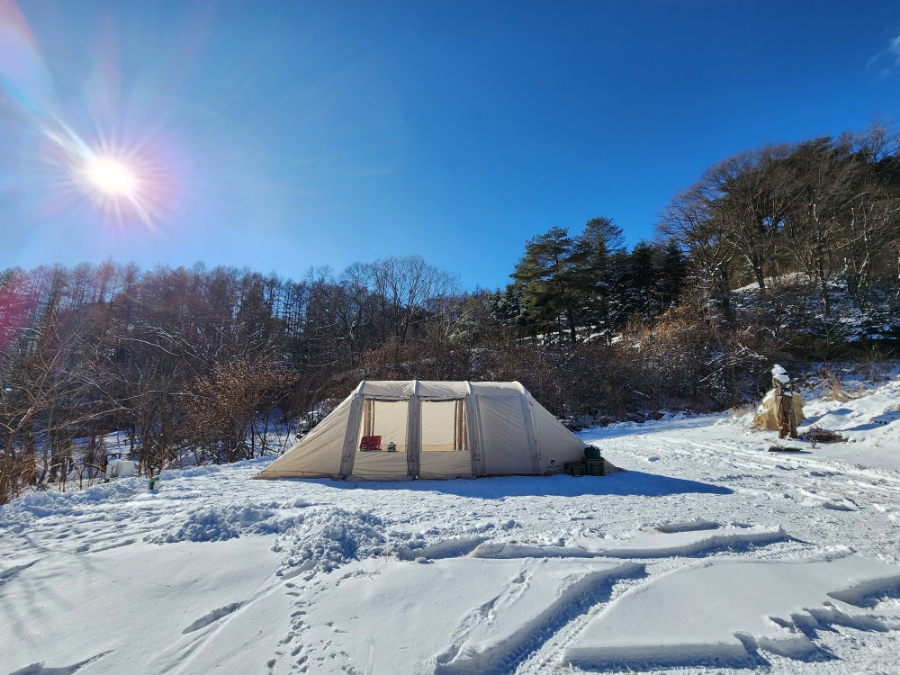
x: 743, y: 410
x: 834, y: 388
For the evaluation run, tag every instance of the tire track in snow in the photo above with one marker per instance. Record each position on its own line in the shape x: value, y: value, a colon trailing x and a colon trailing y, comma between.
x: 548, y: 657
x: 701, y: 547
x: 212, y: 616
x: 832, y: 482
x: 760, y: 461
x: 578, y: 599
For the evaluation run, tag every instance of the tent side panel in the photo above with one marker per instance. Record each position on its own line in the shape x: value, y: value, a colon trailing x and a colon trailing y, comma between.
x: 319, y: 454
x: 430, y: 389
x: 558, y: 444
x: 446, y: 464
x: 494, y: 389
x: 380, y: 465
x: 506, y: 443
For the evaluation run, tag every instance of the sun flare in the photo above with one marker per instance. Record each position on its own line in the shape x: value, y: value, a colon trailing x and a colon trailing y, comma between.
x: 111, y: 177
x: 123, y: 184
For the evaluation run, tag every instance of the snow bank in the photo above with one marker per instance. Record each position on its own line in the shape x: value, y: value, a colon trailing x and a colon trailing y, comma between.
x: 222, y: 523
x: 659, y: 545
x: 47, y: 503
x: 326, y: 538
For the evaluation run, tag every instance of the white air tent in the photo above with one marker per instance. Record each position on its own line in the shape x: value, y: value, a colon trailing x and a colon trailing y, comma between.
x: 417, y: 429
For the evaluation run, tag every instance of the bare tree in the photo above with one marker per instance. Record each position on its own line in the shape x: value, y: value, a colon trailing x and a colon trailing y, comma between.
x: 688, y: 221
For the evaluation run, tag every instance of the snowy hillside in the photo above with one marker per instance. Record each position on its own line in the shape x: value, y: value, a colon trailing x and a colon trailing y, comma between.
x: 709, y: 553
x: 792, y: 302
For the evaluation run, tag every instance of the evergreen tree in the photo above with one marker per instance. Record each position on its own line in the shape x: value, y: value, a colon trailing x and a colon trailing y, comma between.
x: 641, y: 281
x: 600, y: 240
x: 673, y: 267
x: 548, y: 277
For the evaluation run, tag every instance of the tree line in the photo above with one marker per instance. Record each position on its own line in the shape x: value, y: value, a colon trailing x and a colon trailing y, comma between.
x: 194, y: 365
x: 826, y: 209
x: 589, y: 285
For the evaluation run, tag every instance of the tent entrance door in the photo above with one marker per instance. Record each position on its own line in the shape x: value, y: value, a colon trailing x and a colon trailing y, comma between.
x: 445, y: 451
x: 382, y: 450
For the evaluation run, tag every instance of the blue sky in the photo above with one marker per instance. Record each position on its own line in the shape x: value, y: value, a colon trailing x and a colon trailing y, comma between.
x: 284, y: 135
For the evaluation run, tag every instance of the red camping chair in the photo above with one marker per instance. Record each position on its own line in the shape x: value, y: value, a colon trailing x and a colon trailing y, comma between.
x: 370, y: 443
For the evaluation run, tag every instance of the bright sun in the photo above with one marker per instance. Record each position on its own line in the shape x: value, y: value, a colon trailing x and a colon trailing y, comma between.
x: 111, y: 177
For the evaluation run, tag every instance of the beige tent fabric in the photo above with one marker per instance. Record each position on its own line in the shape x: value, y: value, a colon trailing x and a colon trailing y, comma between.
x: 505, y: 437
x: 442, y: 389
x: 558, y: 444
x: 318, y: 455
x: 440, y: 429
x: 494, y: 389
x: 387, y: 389
x: 380, y: 465
x: 446, y: 464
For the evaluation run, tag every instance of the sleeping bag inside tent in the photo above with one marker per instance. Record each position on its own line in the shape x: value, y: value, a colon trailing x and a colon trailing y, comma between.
x: 418, y: 429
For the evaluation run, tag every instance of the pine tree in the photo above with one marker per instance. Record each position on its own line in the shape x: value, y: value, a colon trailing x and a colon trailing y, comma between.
x: 600, y: 240
x: 548, y: 277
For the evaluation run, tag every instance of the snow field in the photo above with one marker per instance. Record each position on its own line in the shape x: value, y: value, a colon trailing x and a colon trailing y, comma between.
x: 709, y: 554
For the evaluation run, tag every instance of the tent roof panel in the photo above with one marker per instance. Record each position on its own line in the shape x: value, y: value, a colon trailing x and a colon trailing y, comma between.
x: 439, y: 389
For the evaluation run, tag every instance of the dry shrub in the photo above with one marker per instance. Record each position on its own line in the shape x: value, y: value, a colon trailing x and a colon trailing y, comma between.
x: 688, y: 360
x: 817, y: 435
x: 692, y: 359
x: 874, y: 363
x: 834, y: 388
x: 226, y: 418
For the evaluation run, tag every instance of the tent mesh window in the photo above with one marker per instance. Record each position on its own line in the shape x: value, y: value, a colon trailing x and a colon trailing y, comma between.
x: 383, y: 426
x: 444, y: 426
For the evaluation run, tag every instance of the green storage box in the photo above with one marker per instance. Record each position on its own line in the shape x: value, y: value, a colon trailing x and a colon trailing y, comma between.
x: 574, y: 468
x: 594, y: 467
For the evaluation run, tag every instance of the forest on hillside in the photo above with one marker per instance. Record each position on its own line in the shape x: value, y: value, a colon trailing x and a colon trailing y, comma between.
x: 787, y: 251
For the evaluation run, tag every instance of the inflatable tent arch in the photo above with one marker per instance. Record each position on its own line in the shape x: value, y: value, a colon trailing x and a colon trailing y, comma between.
x: 418, y: 429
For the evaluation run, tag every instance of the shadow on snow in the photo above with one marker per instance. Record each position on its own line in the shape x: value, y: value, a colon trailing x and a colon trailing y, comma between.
x: 628, y: 483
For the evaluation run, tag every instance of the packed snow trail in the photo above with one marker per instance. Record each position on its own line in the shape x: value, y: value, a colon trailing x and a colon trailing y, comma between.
x: 791, y: 559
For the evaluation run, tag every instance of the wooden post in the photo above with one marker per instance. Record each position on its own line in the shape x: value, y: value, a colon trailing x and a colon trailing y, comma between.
x: 781, y: 408
x: 792, y: 420
x: 784, y: 404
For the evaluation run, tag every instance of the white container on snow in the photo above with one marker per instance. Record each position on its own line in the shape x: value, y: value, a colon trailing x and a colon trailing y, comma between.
x: 119, y: 468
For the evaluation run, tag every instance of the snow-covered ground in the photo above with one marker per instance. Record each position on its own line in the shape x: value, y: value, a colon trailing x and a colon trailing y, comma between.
x: 708, y: 554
